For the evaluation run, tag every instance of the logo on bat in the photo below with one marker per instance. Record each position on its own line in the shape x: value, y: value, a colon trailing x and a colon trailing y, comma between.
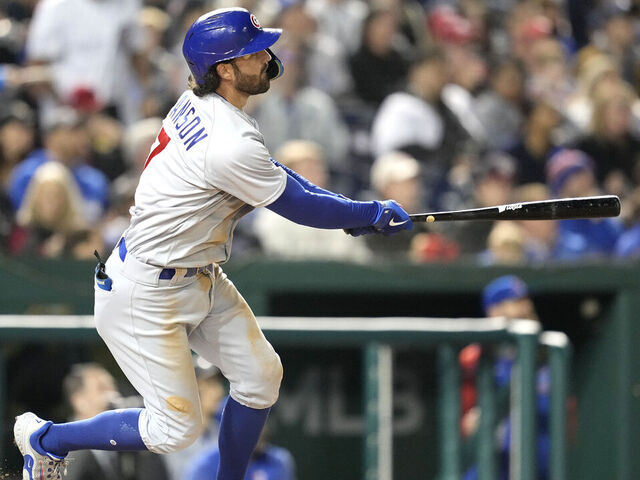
x: 512, y: 206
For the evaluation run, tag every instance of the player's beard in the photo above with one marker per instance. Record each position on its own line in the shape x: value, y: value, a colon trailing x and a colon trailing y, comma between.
x: 251, y: 84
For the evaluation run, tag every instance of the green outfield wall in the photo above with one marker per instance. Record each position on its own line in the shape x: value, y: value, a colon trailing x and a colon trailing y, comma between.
x: 319, y: 415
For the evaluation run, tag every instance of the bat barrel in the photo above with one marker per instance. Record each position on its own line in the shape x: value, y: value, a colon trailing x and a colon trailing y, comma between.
x: 557, y: 209
x: 587, y: 207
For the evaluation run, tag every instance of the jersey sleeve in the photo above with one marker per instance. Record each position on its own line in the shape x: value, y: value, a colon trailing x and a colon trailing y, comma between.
x: 244, y: 170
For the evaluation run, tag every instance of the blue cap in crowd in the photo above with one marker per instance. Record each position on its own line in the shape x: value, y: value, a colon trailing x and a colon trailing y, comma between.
x: 565, y: 163
x: 508, y: 287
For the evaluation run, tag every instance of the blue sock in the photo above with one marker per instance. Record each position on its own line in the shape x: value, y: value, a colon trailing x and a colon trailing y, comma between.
x: 240, y: 429
x: 111, y: 430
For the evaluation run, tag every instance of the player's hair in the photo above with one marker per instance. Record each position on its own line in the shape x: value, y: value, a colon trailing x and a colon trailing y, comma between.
x: 211, y: 82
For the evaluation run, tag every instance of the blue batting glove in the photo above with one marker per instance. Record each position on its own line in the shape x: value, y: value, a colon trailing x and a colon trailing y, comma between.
x: 392, y: 219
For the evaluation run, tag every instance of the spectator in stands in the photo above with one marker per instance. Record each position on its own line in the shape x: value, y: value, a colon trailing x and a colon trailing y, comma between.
x: 212, y: 394
x: 324, y: 57
x: 161, y: 65
x: 548, y: 77
x: 536, y: 143
x: 596, y: 74
x: 505, y: 245
x: 90, y: 47
x: 184, y: 14
x: 448, y: 26
x: 268, y: 462
x: 379, y: 66
x: 295, y: 110
x: 525, y: 24
x: 283, y: 239
x: 468, y: 72
x: 570, y: 173
x: 613, y: 142
x: 540, y: 236
x: 396, y: 175
x: 454, y: 36
x: 413, y: 120
x: 411, y: 21
x: 616, y: 35
x: 17, y: 137
x: 491, y: 183
x: 65, y: 141
x: 50, y: 218
x: 90, y: 389
x: 266, y: 10
x: 341, y: 19
x: 500, y: 107
x: 104, y: 137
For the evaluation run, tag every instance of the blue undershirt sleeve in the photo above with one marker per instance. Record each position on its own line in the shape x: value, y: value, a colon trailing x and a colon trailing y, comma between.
x: 323, y: 210
x: 304, y: 182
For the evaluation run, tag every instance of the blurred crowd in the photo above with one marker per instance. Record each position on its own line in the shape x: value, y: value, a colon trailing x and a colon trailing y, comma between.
x: 440, y: 105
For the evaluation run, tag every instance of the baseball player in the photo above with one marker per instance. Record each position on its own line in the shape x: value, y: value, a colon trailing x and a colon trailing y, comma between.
x: 162, y: 292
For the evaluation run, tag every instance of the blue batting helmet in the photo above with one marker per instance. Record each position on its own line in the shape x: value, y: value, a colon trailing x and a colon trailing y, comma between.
x: 225, y: 34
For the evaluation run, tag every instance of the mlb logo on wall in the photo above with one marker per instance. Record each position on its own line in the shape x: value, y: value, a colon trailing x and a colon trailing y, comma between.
x: 255, y: 21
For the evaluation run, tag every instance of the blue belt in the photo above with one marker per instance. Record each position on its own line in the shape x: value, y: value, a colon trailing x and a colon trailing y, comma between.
x: 166, y: 273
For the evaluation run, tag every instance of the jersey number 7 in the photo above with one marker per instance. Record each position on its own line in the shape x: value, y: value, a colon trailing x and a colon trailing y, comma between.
x: 163, y: 140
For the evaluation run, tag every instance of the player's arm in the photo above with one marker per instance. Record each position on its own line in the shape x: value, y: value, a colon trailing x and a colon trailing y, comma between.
x: 322, y: 210
x: 304, y: 182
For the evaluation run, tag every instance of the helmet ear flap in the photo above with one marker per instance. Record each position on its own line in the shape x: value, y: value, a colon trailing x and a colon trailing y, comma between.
x: 275, y: 67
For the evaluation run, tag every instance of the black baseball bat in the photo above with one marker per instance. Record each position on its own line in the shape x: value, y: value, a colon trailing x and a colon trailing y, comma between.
x: 554, y: 209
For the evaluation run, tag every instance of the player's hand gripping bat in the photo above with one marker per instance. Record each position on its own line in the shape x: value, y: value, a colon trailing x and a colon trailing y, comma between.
x: 555, y: 209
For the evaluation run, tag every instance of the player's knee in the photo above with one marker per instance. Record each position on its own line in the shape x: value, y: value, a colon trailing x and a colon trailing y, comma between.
x: 184, y: 437
x: 261, y: 391
x: 171, y: 433
x: 273, y: 377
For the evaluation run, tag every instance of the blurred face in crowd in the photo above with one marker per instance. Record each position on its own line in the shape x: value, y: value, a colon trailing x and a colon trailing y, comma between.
x: 547, y: 57
x: 467, y: 68
x: 406, y: 192
x: 297, y: 25
x: 428, y: 78
x: 51, y: 204
x: 519, y: 308
x: 96, y: 395
x: 493, y: 189
x: 616, y: 117
x: 508, y: 82
x: 506, y: 243
x: 579, y: 184
x: 16, y: 139
x: 312, y: 168
x: 620, y: 31
x: 544, y: 118
x: 67, y: 143
x: 380, y: 31
x: 541, y: 230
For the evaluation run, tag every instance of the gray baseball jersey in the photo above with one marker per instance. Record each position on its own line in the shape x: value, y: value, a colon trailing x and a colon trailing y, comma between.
x: 208, y: 167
